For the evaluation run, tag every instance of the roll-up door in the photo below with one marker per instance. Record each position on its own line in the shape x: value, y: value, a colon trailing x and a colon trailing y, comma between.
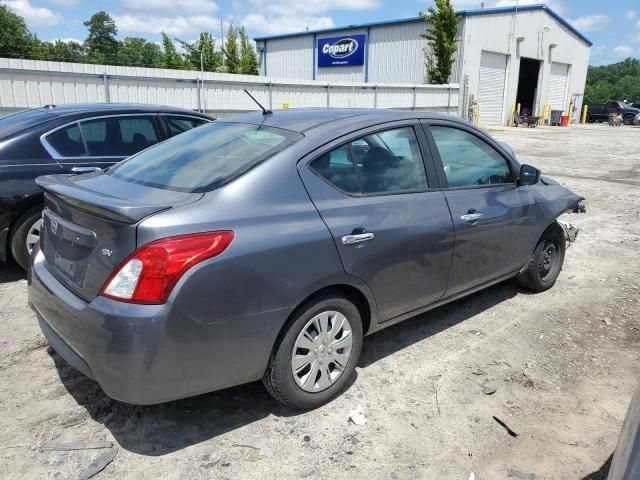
x: 493, y: 67
x: 558, y: 86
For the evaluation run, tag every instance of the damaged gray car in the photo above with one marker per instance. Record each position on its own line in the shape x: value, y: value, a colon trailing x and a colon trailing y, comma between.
x: 266, y: 246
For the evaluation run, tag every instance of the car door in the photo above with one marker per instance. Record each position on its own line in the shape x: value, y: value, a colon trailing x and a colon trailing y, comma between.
x: 492, y: 216
x: 101, y: 141
x: 390, y: 228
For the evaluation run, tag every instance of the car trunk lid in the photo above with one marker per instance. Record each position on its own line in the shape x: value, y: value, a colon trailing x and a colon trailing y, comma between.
x: 90, y: 224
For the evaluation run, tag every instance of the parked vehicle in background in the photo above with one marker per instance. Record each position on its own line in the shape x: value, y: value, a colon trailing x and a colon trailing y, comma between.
x: 603, y: 112
x: 65, y: 139
x: 635, y: 105
x: 626, y: 459
x: 265, y: 246
x: 636, y: 120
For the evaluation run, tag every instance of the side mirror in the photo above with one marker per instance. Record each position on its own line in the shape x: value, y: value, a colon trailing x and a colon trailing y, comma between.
x: 529, y: 175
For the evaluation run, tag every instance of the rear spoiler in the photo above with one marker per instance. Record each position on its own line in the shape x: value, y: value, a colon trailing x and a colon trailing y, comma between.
x: 113, y: 208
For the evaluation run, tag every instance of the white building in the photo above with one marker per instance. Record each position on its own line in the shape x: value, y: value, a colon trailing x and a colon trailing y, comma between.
x: 528, y: 55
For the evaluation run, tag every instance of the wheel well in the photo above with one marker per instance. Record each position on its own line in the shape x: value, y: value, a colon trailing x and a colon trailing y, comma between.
x: 350, y: 292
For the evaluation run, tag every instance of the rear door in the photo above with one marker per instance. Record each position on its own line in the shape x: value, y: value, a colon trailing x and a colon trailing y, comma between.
x: 493, y: 217
x: 102, y: 141
x: 391, y: 229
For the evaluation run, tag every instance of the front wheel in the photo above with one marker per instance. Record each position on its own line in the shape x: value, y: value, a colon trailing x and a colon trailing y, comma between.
x: 546, y: 262
x: 628, y: 120
x: 317, y: 354
x: 26, y: 234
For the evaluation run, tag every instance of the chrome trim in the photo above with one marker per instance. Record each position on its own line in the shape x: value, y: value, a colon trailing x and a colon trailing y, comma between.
x: 471, y: 217
x: 362, y: 237
x: 80, y: 170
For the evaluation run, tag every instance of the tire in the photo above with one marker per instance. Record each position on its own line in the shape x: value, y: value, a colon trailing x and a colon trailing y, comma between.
x: 589, y: 119
x: 21, y: 233
x: 546, y: 262
x: 628, y: 120
x: 307, y: 388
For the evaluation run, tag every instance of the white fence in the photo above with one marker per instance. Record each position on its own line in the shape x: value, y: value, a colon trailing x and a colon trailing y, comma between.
x: 33, y: 83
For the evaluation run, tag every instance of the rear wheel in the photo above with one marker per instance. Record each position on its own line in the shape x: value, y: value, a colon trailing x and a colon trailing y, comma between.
x: 547, y: 260
x: 317, y: 354
x: 628, y: 120
x: 26, y: 233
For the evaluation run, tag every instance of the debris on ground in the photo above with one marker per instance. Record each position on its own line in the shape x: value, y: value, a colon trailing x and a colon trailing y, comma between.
x: 506, y: 427
x: 75, y: 446
x: 358, y: 416
x: 513, y: 473
x: 99, y: 463
x: 489, y: 389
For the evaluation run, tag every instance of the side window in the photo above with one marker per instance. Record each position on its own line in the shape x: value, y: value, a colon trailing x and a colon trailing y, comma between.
x: 119, y: 136
x: 67, y: 141
x: 338, y: 168
x: 468, y: 160
x: 392, y: 163
x: 384, y: 162
x: 179, y: 125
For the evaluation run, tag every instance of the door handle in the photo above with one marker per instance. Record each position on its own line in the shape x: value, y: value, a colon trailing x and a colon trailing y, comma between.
x: 471, y: 217
x: 357, y: 238
x: 80, y: 170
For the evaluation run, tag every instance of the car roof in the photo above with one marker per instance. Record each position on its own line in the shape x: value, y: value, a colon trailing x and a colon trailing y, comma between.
x: 74, y: 108
x: 304, y: 119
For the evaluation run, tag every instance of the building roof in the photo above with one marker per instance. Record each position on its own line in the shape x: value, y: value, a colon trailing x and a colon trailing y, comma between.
x: 462, y: 13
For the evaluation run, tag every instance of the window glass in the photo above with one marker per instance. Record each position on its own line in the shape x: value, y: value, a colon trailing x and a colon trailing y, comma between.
x: 67, y: 141
x: 338, y: 168
x: 468, y: 160
x: 391, y: 162
x: 179, y: 125
x: 204, y: 158
x: 119, y: 136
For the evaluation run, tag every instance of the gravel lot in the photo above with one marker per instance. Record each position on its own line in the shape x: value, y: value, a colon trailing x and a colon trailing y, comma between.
x: 564, y: 365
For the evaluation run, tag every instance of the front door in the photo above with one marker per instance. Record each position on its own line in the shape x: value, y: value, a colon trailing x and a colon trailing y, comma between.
x: 493, y: 217
x: 391, y: 230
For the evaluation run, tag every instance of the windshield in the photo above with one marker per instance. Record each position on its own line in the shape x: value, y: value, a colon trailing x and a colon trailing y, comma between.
x: 204, y: 158
x: 15, y: 122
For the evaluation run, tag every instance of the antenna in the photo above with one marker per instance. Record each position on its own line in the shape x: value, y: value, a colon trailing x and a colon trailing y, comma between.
x: 264, y: 110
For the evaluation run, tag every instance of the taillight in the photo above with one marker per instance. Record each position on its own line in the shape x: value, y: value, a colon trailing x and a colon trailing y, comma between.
x: 150, y: 273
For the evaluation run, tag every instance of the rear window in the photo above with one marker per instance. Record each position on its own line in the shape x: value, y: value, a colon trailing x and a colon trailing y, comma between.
x: 204, y: 158
x: 15, y: 122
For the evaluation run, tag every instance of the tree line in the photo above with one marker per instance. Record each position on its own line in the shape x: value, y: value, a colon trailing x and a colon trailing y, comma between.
x: 618, y: 81
x: 102, y: 46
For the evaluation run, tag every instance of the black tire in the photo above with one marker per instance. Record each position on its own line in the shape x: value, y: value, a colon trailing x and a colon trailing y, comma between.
x: 589, y: 119
x: 542, y: 272
x: 19, y: 235
x: 628, y: 120
x: 279, y: 379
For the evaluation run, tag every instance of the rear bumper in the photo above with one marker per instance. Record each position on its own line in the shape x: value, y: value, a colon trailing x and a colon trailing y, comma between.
x: 146, y: 354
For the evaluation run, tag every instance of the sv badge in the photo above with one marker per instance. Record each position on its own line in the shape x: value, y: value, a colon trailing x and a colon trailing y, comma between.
x: 106, y: 252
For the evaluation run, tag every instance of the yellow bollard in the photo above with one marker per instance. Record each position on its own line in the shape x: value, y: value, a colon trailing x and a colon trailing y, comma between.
x: 511, y: 118
x: 585, y: 109
x: 543, y: 115
x: 478, y: 106
x: 570, y: 112
x: 518, y: 109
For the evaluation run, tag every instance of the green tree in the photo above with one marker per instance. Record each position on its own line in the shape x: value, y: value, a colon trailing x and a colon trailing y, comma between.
x: 618, y: 81
x: 248, y: 57
x: 101, y: 42
x: 202, y: 53
x: 59, y: 51
x: 138, y: 52
x: 442, y: 27
x: 170, y: 57
x: 231, y: 51
x: 15, y: 38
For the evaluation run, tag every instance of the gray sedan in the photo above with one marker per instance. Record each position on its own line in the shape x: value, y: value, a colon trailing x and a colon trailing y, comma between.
x: 266, y: 246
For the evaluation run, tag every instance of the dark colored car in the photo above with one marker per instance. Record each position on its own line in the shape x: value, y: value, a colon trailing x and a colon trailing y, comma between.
x: 64, y: 139
x: 601, y: 112
x: 266, y: 246
x: 625, y: 464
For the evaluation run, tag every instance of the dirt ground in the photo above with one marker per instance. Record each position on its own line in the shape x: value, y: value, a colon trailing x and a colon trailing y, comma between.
x: 564, y: 365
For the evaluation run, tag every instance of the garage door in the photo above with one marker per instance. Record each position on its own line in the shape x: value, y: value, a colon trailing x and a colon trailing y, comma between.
x: 493, y: 67
x: 558, y: 86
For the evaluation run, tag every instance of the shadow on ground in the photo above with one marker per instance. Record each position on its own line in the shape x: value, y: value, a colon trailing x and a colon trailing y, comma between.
x: 602, y: 473
x: 10, y: 272
x: 168, y: 427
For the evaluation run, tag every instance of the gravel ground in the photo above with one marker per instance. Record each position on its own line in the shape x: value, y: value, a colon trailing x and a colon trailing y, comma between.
x: 563, y: 364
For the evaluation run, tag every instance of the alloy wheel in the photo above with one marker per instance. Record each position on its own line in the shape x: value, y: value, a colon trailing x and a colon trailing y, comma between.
x: 33, y: 235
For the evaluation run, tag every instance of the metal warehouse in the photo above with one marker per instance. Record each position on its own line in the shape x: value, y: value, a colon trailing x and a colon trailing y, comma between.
x: 526, y: 55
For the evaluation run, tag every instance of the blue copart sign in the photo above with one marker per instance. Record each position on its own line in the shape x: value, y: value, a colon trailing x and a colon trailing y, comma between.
x: 341, y: 51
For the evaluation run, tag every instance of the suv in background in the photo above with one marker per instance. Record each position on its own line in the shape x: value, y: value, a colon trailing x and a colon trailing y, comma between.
x: 601, y: 112
x: 70, y: 139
